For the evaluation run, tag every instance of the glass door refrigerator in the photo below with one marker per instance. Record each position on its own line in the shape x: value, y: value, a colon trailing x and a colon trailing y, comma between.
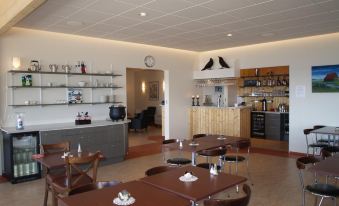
x: 18, y: 151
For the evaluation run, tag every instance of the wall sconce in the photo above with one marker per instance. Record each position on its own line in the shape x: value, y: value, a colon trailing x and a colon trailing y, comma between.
x: 163, y: 85
x: 16, y: 62
x: 143, y: 87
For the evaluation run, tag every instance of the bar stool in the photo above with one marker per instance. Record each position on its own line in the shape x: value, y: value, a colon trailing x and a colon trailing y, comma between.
x: 178, y: 161
x: 314, y: 145
x: 236, y: 158
x: 209, y: 153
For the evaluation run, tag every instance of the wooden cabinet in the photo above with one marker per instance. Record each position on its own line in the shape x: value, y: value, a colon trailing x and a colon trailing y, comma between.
x: 271, y: 83
x: 230, y: 121
x: 110, y: 140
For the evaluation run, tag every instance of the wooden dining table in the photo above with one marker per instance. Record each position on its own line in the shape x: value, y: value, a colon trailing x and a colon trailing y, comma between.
x: 327, y: 167
x: 144, y: 194
x: 202, y: 143
x: 205, y: 186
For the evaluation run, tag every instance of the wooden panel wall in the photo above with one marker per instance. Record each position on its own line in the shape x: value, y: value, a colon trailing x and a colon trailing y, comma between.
x: 226, y: 121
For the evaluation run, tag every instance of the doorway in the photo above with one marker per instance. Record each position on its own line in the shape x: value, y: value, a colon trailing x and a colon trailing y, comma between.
x: 145, y: 97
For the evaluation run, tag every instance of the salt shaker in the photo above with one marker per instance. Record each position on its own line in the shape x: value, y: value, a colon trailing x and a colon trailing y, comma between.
x: 79, y: 148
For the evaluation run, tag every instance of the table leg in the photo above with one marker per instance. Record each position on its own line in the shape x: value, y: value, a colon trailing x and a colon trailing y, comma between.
x: 194, y: 159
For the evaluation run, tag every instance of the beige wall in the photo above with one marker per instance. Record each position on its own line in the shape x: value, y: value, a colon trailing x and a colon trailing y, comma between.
x: 300, y: 54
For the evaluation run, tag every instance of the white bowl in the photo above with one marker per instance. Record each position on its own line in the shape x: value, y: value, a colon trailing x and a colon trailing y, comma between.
x: 82, y: 83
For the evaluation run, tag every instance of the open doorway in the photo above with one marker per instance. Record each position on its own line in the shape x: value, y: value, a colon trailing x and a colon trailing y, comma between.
x: 145, y: 97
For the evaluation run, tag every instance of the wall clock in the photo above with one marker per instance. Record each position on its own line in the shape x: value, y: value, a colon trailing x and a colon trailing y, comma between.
x: 149, y: 61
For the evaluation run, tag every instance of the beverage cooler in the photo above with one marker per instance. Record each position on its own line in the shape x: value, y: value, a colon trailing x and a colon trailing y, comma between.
x: 258, y: 124
x: 18, y: 150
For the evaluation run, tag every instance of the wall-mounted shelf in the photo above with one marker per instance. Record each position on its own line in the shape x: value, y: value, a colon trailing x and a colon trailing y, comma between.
x: 64, y: 73
x: 41, y: 93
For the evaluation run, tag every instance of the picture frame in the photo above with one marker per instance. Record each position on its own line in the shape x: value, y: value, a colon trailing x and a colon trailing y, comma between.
x: 325, y: 78
x: 74, y: 96
x: 153, y: 91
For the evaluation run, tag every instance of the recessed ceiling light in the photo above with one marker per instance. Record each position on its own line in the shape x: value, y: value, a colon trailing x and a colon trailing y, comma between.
x: 229, y: 35
x: 143, y: 14
x: 74, y: 23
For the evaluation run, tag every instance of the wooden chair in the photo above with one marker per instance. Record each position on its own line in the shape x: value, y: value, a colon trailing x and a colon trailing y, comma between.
x: 94, y: 186
x: 51, y: 174
x: 157, y: 170
x: 317, y: 189
x: 178, y: 161
x: 209, y: 153
x: 242, y: 201
x: 80, y: 171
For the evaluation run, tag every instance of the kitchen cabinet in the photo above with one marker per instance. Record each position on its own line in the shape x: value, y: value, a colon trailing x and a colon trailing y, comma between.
x: 270, y: 83
x: 51, y: 88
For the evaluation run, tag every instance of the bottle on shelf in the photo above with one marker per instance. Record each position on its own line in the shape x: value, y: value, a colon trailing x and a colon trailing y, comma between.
x: 278, y: 82
x: 19, y: 122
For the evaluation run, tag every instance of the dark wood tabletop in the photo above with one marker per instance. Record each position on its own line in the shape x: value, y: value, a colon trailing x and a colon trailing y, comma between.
x: 144, y: 194
x: 55, y: 160
x: 205, y: 186
x: 208, y: 142
x: 329, y: 166
x: 327, y: 130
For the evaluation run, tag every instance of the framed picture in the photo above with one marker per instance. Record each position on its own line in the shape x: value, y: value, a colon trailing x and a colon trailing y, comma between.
x: 153, y: 91
x: 325, y: 78
x: 74, y: 96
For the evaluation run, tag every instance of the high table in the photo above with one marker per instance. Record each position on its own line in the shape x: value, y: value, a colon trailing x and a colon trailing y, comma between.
x: 205, y: 186
x: 144, y: 194
x: 202, y: 143
x: 330, y: 131
x: 329, y: 166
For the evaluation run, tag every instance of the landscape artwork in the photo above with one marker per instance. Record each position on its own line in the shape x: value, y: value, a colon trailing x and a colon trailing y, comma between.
x: 325, y: 78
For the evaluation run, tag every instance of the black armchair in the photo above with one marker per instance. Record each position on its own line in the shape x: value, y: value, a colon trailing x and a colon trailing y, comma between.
x: 149, y: 115
x: 138, y: 122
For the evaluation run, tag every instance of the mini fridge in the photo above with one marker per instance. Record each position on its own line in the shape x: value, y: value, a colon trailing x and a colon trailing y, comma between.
x: 18, y: 150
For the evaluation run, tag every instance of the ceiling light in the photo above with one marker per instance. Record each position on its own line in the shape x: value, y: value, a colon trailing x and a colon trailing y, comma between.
x: 229, y: 35
x: 143, y: 14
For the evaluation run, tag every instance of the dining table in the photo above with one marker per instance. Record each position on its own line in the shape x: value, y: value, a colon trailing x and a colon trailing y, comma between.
x: 327, y: 167
x: 203, y: 187
x: 202, y: 143
x: 144, y: 195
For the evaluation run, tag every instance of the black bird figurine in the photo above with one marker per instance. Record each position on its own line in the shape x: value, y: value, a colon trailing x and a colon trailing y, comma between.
x: 208, y: 65
x: 222, y: 63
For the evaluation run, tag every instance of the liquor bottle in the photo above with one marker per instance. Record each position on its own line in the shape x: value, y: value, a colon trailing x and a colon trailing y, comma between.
x: 278, y: 82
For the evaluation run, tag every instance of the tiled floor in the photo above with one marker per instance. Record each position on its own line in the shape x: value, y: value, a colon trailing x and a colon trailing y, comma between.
x: 275, y: 180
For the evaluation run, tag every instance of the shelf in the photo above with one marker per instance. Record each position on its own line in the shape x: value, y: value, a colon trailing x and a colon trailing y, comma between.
x: 55, y: 87
x: 56, y: 104
x: 263, y: 96
x: 273, y: 75
x: 263, y: 86
x: 64, y: 73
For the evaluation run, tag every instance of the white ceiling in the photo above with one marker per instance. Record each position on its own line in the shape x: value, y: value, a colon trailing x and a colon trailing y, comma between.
x: 197, y: 25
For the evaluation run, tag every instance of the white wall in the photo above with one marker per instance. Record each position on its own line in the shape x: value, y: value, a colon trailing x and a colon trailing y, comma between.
x: 300, y: 55
x: 57, y: 48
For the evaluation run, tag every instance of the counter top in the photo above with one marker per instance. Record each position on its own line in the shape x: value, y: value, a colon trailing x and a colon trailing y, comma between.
x: 61, y: 126
x: 239, y: 107
x: 271, y: 112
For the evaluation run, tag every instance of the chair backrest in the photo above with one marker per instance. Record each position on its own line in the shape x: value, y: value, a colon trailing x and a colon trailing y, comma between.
x: 54, y: 148
x: 242, y: 201
x: 84, y: 167
x: 199, y: 135
x: 157, y: 170
x: 151, y: 110
x: 213, y: 152
x: 94, y: 186
x: 301, y: 163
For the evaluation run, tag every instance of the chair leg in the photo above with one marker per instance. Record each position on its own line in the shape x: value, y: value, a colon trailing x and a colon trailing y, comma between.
x: 303, y: 197
x: 321, y: 200
x: 46, y: 193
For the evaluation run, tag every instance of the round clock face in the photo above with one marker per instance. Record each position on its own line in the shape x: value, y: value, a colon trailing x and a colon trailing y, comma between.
x: 149, y: 61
